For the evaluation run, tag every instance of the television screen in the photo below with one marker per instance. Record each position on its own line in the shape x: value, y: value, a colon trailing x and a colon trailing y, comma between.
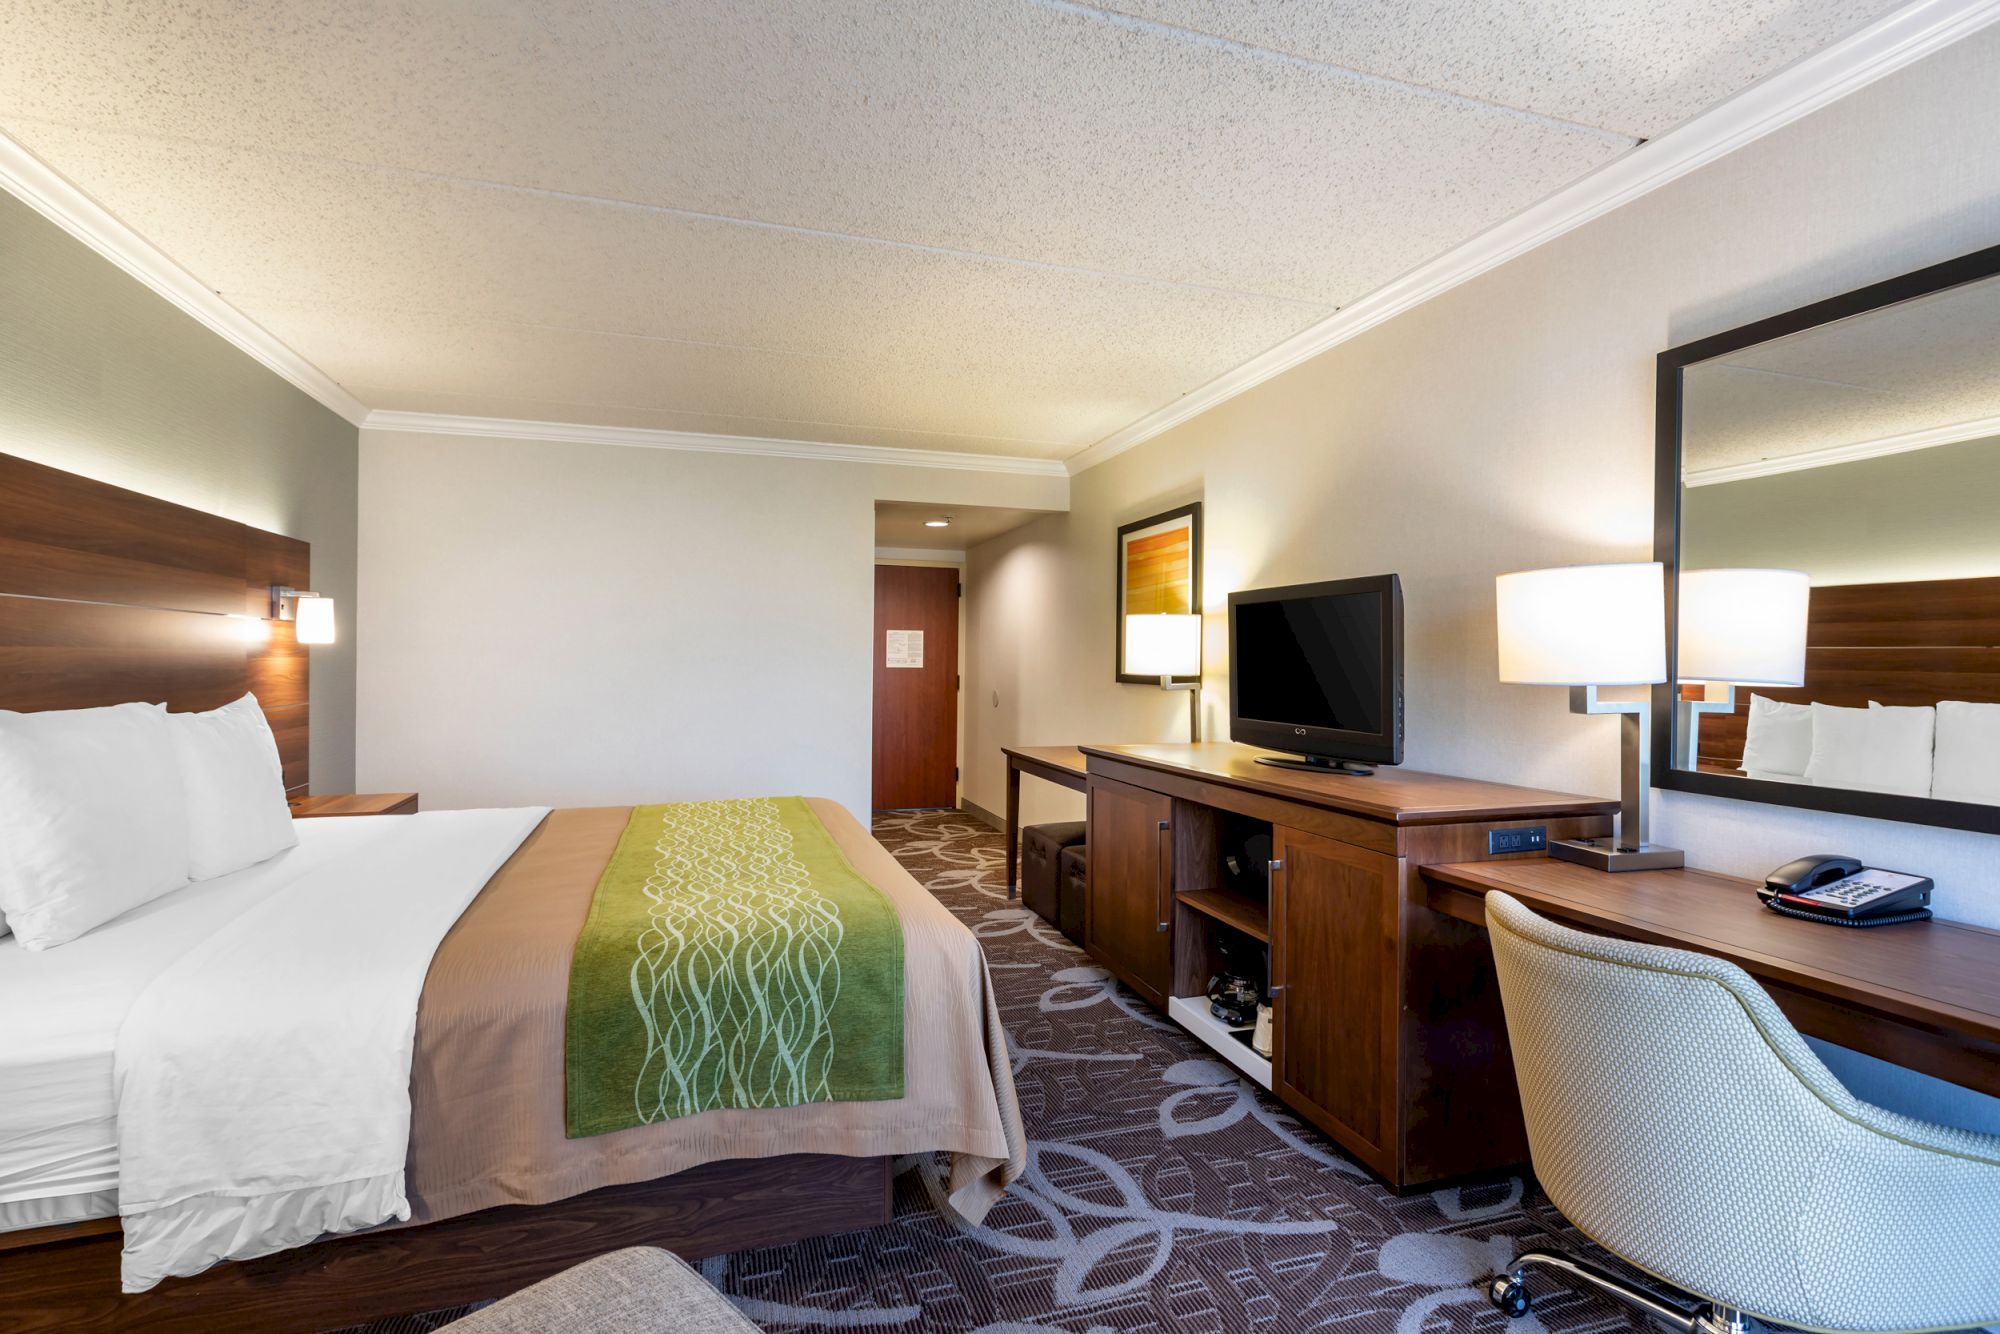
x: 1312, y: 662
x: 1317, y: 670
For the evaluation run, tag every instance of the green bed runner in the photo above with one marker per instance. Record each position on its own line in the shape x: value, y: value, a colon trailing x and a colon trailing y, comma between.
x: 732, y: 957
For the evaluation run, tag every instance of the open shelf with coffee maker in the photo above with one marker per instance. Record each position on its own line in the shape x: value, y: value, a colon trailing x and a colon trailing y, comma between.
x: 1222, y: 937
x: 1387, y: 1031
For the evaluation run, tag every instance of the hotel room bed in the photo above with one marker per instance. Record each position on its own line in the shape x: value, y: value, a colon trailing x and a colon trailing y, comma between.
x: 486, y: 1085
x: 487, y: 1079
x: 110, y: 598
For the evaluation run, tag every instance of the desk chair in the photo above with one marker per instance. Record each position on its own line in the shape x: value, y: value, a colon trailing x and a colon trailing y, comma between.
x: 1679, y: 1120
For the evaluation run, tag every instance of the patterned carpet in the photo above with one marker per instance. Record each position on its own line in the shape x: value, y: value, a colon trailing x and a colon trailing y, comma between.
x: 1162, y: 1194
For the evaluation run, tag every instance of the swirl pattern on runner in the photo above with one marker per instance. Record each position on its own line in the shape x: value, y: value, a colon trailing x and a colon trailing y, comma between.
x: 738, y: 969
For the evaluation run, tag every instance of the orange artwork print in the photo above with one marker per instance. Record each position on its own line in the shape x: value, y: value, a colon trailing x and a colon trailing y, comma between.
x: 1158, y: 568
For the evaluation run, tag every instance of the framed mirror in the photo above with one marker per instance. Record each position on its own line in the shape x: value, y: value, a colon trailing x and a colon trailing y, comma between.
x: 1827, y: 507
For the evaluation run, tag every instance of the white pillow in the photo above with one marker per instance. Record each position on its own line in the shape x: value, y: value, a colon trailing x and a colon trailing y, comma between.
x: 1873, y: 749
x: 235, y: 787
x: 1778, y: 741
x: 93, y: 821
x: 1967, y: 763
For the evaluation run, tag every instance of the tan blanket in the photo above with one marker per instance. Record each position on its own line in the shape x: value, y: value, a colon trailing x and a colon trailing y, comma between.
x: 487, y: 1081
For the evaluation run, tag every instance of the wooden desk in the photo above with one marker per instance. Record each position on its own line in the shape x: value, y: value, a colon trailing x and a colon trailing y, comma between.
x: 1061, y: 765
x: 1924, y: 995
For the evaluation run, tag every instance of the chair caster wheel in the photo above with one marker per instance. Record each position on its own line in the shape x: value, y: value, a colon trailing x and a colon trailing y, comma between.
x: 1509, y: 1296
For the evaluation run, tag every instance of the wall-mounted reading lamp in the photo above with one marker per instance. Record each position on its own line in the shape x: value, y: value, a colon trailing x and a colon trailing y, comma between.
x: 311, y: 614
x: 1167, y: 646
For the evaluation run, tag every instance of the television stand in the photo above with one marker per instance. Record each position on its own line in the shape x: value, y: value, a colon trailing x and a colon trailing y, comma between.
x: 1313, y: 764
x: 1388, y: 1033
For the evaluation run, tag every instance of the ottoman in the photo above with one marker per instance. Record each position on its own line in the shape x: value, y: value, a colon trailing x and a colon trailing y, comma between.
x: 1041, y: 845
x: 1075, y: 886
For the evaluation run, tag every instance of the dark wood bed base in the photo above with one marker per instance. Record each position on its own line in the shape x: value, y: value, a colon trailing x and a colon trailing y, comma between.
x: 108, y: 596
x: 712, y: 1210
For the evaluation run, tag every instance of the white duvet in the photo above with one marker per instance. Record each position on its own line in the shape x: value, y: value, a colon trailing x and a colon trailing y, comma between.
x: 263, y: 1078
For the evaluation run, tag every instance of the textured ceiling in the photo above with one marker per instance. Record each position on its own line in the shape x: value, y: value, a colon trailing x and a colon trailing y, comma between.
x: 1008, y: 227
x: 1922, y: 365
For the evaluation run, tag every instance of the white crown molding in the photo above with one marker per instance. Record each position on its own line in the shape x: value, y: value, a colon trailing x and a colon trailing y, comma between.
x: 1929, y: 438
x: 638, y: 437
x: 29, y: 179
x: 1904, y: 37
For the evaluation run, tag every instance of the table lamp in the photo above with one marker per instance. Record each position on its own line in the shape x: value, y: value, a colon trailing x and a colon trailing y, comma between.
x: 1737, y: 627
x: 1586, y: 626
x: 1166, y: 646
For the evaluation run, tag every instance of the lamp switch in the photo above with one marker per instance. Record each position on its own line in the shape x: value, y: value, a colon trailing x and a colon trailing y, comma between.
x: 1534, y: 838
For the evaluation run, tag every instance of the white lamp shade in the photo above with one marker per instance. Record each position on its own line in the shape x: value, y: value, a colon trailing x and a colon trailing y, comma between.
x: 314, y: 620
x: 1163, y: 645
x: 1743, y: 627
x: 1583, y: 625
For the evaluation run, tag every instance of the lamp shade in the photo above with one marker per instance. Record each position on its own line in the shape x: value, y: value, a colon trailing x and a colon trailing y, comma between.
x: 1163, y: 645
x: 1583, y: 625
x: 314, y: 620
x: 1743, y: 627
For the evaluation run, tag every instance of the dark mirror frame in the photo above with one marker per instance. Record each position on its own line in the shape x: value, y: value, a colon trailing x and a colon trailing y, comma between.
x: 1978, y: 265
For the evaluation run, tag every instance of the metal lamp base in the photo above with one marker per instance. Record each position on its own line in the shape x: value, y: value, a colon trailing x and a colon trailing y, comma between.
x: 1604, y: 854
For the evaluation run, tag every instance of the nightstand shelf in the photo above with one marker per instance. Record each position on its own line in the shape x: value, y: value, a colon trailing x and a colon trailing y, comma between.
x: 366, y: 803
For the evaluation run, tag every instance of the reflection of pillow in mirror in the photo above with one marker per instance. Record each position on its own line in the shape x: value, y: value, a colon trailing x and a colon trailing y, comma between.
x: 1873, y: 749
x: 1779, y: 739
x: 1967, y: 767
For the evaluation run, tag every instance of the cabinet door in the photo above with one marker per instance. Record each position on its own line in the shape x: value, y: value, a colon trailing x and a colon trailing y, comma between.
x: 1130, y: 842
x: 1333, y: 966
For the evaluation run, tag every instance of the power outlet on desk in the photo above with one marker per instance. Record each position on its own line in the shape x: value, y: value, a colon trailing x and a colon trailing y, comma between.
x: 1534, y: 838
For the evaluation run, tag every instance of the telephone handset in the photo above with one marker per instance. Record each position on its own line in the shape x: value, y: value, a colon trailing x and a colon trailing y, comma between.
x: 1843, y: 891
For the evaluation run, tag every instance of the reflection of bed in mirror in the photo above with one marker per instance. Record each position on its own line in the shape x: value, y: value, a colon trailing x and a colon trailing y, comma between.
x: 1893, y: 645
x: 1855, y: 441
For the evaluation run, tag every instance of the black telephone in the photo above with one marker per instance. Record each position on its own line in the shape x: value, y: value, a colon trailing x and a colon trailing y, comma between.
x: 1843, y: 891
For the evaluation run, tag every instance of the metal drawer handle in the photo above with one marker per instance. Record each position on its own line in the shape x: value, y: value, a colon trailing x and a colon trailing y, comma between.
x: 1160, y: 871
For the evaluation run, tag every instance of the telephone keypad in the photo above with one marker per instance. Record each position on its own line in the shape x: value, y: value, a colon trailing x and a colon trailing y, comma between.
x: 1860, y: 890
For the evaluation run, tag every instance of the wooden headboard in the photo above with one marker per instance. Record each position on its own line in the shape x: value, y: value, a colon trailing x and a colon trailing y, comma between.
x: 1908, y: 643
x: 108, y: 596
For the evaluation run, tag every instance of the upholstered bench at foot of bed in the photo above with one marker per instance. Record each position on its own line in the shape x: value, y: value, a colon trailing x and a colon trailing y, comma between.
x: 638, y: 1291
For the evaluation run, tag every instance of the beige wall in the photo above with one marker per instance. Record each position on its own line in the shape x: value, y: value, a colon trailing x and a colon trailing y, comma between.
x: 1927, y: 514
x: 588, y: 624
x: 101, y: 377
x: 1507, y: 424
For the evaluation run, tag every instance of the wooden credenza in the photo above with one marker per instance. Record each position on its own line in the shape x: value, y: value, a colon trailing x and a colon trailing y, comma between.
x: 1388, y: 1029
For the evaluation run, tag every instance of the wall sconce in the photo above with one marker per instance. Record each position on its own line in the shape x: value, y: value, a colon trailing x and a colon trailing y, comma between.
x: 1167, y: 646
x: 312, y: 614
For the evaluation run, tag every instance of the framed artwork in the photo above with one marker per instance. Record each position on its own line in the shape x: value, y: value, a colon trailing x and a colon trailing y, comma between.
x: 1159, y: 570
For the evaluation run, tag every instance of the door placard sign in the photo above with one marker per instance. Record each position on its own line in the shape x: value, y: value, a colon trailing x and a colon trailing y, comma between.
x: 905, y: 649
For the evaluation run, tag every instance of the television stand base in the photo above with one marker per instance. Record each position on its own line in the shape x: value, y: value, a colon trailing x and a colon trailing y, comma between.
x: 1313, y: 765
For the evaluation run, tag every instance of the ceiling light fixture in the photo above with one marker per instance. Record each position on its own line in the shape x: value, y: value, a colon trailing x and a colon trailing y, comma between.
x: 937, y: 523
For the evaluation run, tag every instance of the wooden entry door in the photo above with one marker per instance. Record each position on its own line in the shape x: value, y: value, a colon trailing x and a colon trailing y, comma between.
x: 916, y: 687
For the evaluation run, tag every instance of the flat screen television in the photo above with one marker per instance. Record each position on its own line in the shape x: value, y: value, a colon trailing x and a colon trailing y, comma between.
x: 1317, y: 670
